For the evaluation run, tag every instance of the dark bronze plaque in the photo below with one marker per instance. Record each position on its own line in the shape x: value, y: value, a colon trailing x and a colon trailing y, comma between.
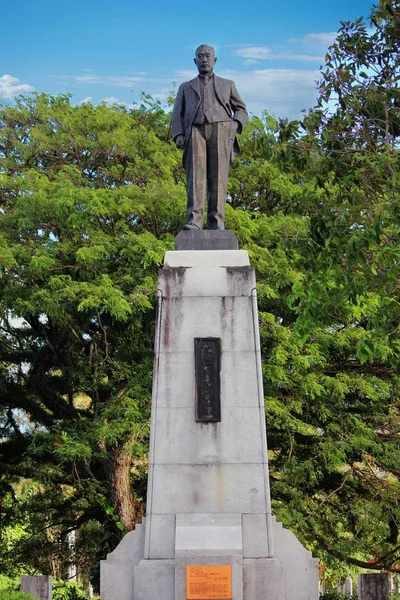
x: 208, y: 360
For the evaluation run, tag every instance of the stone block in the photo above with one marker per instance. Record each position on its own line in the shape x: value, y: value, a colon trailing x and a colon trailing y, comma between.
x: 210, y: 281
x: 264, y: 579
x: 220, y: 489
x: 184, y: 319
x: 116, y: 573
x: 199, y: 258
x: 234, y: 560
x: 37, y: 585
x: 154, y: 580
x: 239, y: 385
x: 208, y: 534
x: 176, y: 371
x: 182, y: 440
x: 255, y: 536
x: 301, y: 569
x: 206, y: 239
x: 374, y: 586
x: 161, y: 536
x: 116, y: 578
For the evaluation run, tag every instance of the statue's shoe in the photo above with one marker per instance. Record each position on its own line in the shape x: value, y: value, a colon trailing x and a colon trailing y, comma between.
x: 191, y: 227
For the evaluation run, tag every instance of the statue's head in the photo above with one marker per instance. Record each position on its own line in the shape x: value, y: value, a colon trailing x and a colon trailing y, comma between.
x: 205, y: 59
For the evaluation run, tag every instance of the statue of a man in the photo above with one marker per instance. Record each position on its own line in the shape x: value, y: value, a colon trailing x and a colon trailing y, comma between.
x: 208, y: 114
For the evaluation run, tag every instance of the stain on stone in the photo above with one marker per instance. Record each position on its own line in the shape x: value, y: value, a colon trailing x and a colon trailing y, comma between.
x: 241, y: 280
x: 223, y: 313
x: 223, y: 302
x: 172, y: 280
x: 219, y: 486
x: 242, y: 272
x: 226, y: 319
x: 166, y: 322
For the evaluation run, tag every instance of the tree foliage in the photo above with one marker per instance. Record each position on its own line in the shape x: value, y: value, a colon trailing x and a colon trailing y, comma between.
x: 91, y: 198
x: 343, y: 441
x: 354, y: 210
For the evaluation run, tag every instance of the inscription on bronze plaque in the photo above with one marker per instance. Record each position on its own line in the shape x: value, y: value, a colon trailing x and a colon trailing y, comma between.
x: 208, y: 366
x: 209, y: 582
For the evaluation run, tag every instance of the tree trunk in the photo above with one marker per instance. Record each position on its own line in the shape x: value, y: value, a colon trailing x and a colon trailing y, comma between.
x: 118, y: 475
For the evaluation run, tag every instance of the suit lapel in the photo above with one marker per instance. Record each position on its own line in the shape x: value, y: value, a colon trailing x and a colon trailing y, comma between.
x: 218, y: 83
x: 195, y: 83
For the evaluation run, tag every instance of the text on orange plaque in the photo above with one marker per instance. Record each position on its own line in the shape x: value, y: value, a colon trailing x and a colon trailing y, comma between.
x: 208, y: 582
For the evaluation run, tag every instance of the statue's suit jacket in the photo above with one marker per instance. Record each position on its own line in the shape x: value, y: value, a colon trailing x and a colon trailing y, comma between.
x: 230, y: 107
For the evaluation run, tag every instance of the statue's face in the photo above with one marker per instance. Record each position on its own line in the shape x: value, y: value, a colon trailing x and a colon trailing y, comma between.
x: 205, y: 59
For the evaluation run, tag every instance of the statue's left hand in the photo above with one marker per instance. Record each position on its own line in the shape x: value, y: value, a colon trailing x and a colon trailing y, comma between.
x: 180, y: 141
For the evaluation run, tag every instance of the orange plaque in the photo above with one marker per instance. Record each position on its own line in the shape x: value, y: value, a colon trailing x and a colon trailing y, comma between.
x: 209, y: 582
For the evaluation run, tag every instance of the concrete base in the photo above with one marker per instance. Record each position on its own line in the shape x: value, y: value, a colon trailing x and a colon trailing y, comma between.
x: 238, y: 540
x: 300, y: 567
x: 264, y: 579
x: 208, y: 499
x: 154, y: 579
x: 117, y: 572
x: 374, y: 586
x: 37, y: 585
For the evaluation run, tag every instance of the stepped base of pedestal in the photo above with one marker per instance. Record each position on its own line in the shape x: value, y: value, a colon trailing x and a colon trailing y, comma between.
x: 291, y: 575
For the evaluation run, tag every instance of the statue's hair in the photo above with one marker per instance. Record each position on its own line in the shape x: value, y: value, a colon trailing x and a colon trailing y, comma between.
x: 204, y: 46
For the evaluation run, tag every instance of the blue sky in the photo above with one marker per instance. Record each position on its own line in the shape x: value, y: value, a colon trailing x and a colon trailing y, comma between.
x: 112, y: 51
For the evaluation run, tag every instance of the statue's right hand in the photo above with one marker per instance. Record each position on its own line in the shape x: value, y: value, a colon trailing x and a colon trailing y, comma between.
x: 180, y: 141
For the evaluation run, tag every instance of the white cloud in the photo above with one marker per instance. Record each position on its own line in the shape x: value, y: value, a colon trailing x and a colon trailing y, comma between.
x: 128, y: 81
x: 326, y: 38
x: 91, y: 78
x: 251, y: 61
x: 266, y: 53
x: 112, y: 101
x: 257, y: 52
x: 87, y: 100
x: 61, y: 77
x: 186, y: 74
x: 11, y: 86
x: 282, y: 92
x: 161, y: 95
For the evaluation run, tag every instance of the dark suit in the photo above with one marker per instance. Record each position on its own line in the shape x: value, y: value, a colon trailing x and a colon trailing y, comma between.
x: 209, y: 115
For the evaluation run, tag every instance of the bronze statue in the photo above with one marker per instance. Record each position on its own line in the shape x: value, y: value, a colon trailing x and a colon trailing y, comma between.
x: 208, y: 114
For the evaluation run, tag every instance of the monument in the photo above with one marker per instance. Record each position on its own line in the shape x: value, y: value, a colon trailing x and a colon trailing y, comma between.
x: 208, y: 533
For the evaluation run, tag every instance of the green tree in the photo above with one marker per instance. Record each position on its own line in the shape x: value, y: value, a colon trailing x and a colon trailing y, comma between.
x: 354, y: 203
x: 336, y: 463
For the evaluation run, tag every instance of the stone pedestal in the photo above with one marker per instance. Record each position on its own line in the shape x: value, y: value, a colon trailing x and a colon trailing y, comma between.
x: 37, y: 585
x: 208, y: 499
x: 374, y: 586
